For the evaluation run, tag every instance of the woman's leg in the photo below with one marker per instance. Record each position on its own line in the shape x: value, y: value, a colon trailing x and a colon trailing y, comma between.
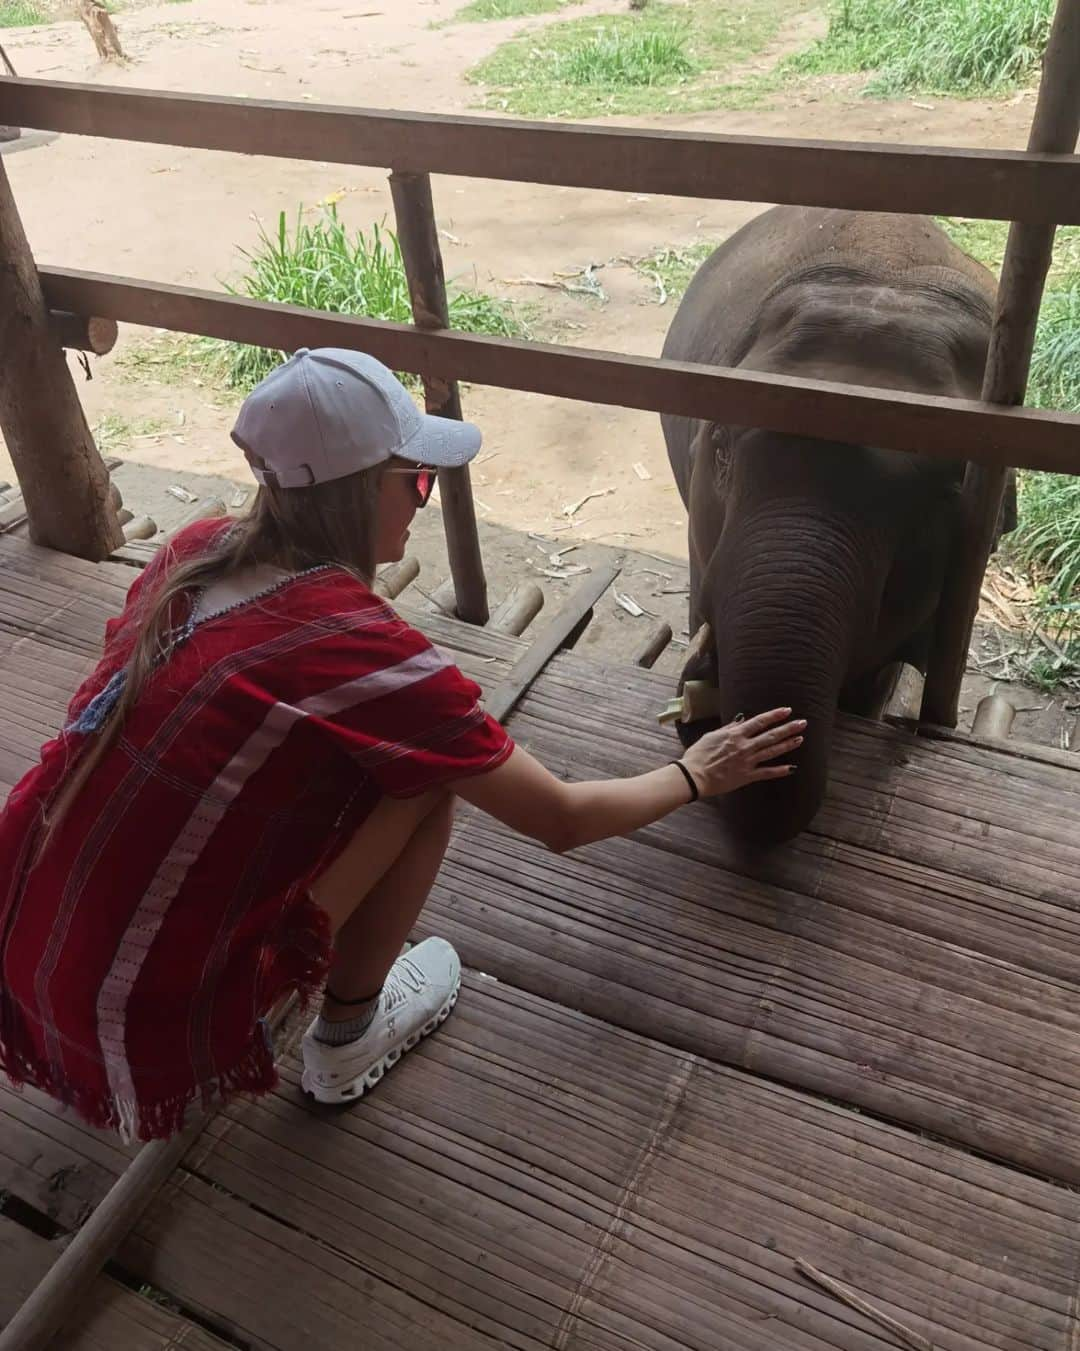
x: 375, y: 889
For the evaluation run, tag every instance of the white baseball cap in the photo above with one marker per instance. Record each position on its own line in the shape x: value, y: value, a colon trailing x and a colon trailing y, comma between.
x: 330, y: 412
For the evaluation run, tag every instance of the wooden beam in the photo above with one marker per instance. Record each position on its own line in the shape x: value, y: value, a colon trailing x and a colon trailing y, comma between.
x: 418, y: 236
x: 443, y: 599
x: 993, y: 718
x: 1054, y: 129
x: 994, y: 184
x: 140, y: 527
x: 80, y: 333
x: 393, y: 580
x: 562, y: 630
x: 947, y: 428
x: 518, y: 610
x: 63, y: 480
x: 646, y: 655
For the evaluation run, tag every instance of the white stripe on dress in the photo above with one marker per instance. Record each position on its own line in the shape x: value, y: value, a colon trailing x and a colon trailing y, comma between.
x: 146, y: 922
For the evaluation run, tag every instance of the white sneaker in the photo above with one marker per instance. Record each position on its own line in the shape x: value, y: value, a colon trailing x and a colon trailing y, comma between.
x: 419, y: 993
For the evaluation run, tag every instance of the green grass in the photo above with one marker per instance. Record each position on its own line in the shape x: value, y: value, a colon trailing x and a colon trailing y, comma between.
x: 664, y: 58
x: 671, y: 269
x: 115, y: 432
x: 21, y: 14
x: 320, y: 265
x: 482, y: 11
x: 964, y: 47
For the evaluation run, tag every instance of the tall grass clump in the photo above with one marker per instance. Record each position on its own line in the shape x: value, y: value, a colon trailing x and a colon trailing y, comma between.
x: 321, y: 265
x: 627, y: 56
x: 21, y: 14
x: 962, y: 47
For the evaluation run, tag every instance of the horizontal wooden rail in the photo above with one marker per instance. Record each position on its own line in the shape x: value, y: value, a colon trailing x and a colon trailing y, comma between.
x: 993, y: 184
x: 947, y: 428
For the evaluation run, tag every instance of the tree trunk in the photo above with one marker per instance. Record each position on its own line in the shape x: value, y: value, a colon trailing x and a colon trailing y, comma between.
x: 96, y: 17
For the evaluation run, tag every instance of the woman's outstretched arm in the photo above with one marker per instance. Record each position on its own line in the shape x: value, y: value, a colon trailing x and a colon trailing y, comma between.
x: 527, y: 797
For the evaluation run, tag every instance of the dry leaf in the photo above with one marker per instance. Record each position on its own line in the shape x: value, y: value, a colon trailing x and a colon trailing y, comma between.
x: 239, y: 498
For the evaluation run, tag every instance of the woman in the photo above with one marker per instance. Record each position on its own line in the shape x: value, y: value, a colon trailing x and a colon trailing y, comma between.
x: 256, y: 786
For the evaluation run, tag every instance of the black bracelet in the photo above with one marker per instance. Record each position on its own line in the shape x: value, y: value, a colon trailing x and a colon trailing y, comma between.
x: 694, y: 794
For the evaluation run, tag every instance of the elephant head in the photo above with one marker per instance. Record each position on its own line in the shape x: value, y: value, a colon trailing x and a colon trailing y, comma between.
x: 826, y: 570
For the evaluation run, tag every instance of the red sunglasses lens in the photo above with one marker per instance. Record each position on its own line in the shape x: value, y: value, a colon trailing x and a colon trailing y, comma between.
x: 425, y: 485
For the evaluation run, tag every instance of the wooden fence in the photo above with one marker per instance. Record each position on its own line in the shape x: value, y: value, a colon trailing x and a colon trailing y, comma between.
x: 65, y: 487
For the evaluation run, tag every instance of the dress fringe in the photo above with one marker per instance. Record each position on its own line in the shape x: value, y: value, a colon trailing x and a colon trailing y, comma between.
x: 299, y: 967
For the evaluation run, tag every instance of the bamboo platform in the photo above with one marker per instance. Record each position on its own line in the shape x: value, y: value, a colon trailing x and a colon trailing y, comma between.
x: 671, y: 1077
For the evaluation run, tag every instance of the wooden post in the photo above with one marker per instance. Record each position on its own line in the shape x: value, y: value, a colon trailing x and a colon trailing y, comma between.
x: 102, y: 29
x: 1054, y: 130
x: 419, y: 240
x: 62, y: 477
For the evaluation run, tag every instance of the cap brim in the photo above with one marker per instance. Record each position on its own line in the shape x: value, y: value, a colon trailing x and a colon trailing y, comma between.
x: 442, y: 442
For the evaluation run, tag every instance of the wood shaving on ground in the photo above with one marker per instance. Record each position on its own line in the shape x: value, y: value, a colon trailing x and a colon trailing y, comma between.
x: 642, y: 472
x: 181, y: 494
x: 572, y: 508
x: 630, y: 605
x: 853, y: 1301
x: 564, y: 574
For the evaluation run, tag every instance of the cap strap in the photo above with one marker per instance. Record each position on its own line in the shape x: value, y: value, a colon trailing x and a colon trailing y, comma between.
x: 300, y: 476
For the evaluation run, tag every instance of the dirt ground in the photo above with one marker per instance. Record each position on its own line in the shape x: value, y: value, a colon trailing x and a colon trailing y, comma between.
x: 176, y: 215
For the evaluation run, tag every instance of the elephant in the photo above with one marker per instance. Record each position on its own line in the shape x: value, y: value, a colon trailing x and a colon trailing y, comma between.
x: 815, y: 565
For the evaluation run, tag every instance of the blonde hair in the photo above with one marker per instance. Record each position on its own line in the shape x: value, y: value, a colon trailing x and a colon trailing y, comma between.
x: 289, y: 528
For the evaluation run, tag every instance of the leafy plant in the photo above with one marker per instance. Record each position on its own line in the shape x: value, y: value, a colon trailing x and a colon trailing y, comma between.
x: 321, y: 265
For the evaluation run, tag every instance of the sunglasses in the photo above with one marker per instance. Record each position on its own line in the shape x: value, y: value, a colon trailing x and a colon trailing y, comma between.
x: 425, y: 478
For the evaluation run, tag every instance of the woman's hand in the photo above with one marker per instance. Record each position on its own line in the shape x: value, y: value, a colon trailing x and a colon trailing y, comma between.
x: 739, y: 753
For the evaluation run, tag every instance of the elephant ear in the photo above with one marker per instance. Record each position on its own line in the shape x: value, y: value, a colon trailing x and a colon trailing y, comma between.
x: 1009, y: 516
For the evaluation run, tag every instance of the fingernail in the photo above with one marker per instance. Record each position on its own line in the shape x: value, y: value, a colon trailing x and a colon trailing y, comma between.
x: 798, y: 741
x: 792, y: 768
x: 738, y: 717
x: 801, y: 723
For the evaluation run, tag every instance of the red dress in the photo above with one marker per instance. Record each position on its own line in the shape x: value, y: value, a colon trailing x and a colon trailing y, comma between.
x: 170, y: 910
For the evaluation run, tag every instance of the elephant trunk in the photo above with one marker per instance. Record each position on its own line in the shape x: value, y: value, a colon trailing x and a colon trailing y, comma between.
x: 790, y: 594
